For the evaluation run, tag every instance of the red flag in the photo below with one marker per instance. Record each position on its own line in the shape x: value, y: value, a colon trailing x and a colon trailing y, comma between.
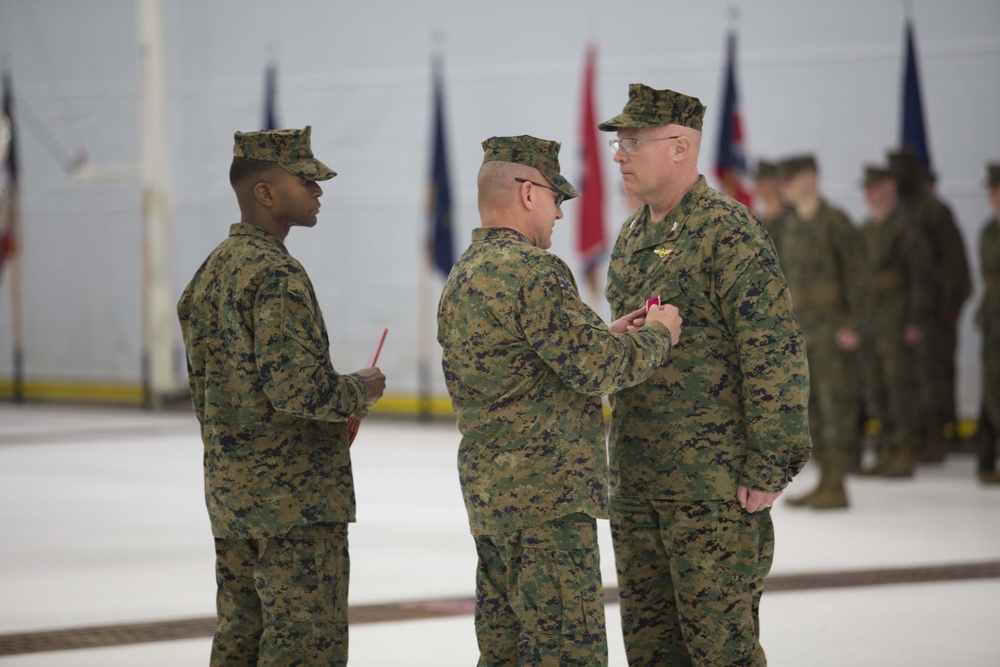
x: 591, y: 241
x: 730, y: 161
x: 8, y: 173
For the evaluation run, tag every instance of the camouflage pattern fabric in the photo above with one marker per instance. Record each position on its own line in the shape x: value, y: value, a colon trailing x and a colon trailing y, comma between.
x: 728, y: 410
x: 823, y: 263
x: 690, y: 576
x: 898, y: 267
x: 525, y: 362
x: 273, y: 410
x: 730, y: 407
x: 647, y: 107
x: 539, y: 597
x: 531, y: 151
x: 988, y: 317
x: 289, y: 148
x: 789, y: 167
x: 282, y: 602
x: 952, y: 285
x: 775, y: 227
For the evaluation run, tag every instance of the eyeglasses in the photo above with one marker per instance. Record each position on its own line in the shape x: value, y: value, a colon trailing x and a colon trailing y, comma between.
x: 560, y: 197
x: 632, y: 145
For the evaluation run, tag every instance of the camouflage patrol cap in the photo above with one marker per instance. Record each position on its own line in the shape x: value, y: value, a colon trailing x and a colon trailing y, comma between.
x: 289, y: 148
x: 647, y: 107
x: 793, y: 166
x: 993, y: 174
x: 766, y: 169
x: 875, y: 174
x: 532, y: 152
x: 904, y: 163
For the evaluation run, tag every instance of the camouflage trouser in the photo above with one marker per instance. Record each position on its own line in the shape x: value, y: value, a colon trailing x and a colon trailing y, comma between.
x: 893, y: 393
x: 834, y: 401
x: 690, y: 575
x: 539, y: 598
x: 282, y: 600
x: 991, y: 375
x: 936, y: 375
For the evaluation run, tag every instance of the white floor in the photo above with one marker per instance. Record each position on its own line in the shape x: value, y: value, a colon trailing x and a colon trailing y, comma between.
x: 102, y: 522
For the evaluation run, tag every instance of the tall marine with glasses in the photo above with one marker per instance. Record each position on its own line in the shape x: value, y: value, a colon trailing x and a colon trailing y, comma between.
x: 701, y: 449
x: 526, y: 362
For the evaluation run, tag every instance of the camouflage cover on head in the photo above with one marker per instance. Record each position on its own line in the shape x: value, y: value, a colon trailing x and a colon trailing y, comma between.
x: 792, y: 166
x: 532, y: 152
x: 647, y: 107
x: 766, y: 169
x: 904, y: 163
x: 993, y: 174
x: 875, y: 174
x: 288, y: 148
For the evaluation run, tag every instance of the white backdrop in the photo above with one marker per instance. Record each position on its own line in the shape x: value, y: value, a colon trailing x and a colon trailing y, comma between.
x: 813, y: 76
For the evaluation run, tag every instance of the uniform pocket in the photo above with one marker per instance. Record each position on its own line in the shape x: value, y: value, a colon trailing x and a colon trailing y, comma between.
x: 559, y: 572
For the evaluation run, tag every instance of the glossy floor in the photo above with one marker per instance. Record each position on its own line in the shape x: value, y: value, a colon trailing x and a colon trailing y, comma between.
x: 102, y: 523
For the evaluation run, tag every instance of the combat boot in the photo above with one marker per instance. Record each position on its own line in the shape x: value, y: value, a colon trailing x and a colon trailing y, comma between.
x: 989, y: 477
x: 806, y: 499
x: 900, y: 465
x: 831, y: 494
x: 934, y: 450
x: 885, y: 455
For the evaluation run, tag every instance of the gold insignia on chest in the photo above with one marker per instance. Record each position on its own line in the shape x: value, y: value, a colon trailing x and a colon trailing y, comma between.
x: 662, y: 252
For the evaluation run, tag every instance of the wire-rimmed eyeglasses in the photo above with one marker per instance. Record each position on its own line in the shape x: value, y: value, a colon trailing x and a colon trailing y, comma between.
x: 632, y: 145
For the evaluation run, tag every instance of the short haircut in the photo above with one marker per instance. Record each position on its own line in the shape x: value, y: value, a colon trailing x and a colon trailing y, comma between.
x: 245, y: 168
x: 497, y: 187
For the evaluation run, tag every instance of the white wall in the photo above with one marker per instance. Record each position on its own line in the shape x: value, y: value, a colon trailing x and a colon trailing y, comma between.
x: 813, y: 76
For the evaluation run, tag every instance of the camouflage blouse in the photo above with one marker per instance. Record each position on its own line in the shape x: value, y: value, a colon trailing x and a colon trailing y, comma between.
x: 272, y: 409
x: 526, y: 362
x: 730, y: 407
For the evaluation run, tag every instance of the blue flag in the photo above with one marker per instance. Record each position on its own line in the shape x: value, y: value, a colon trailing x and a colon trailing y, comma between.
x: 730, y: 159
x: 913, y: 133
x: 270, y: 97
x: 439, y: 241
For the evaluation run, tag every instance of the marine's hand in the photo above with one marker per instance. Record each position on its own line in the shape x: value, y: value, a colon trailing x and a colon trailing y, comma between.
x: 912, y: 335
x: 374, y: 383
x: 847, y: 339
x: 669, y: 317
x: 754, y: 501
x: 630, y: 322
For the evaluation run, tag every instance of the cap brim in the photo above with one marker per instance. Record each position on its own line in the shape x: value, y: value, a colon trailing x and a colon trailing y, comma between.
x: 311, y: 170
x: 625, y: 120
x: 564, y: 187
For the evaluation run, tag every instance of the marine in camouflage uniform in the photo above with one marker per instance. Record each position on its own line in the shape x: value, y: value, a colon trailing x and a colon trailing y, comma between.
x: 951, y: 286
x: 526, y: 362
x: 273, y: 413
x: 988, y: 320
x: 823, y: 264
x: 774, y: 212
x: 899, y: 270
x: 700, y: 450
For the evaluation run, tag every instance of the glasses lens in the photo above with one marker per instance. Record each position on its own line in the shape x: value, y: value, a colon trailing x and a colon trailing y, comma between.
x: 560, y: 199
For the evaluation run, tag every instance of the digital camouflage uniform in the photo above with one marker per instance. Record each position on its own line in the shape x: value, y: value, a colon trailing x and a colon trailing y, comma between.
x: 951, y: 285
x: 988, y: 321
x: 273, y: 411
x: 824, y: 267
x: 526, y: 362
x: 728, y: 410
x: 775, y: 223
x: 898, y: 268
